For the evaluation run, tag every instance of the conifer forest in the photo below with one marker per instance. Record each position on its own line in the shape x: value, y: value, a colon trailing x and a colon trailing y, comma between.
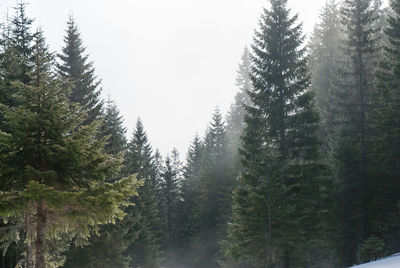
x: 303, y: 171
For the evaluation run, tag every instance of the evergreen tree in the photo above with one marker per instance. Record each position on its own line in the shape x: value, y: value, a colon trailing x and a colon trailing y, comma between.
x: 385, y: 152
x: 170, y: 186
x: 113, y: 129
x: 145, y: 223
x: 353, y: 94
x: 215, y: 187
x: 324, y: 54
x: 54, y: 169
x: 98, y: 253
x: 75, y: 67
x: 235, y: 118
x: 158, y: 166
x: 16, y: 57
x: 280, y: 198
x: 187, y: 205
x: 15, y: 65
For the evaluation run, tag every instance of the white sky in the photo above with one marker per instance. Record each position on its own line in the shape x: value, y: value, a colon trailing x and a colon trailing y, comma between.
x: 168, y: 61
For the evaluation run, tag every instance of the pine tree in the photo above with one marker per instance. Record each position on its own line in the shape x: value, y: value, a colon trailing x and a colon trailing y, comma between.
x: 15, y: 65
x: 278, y: 203
x: 215, y: 187
x: 324, y: 54
x: 385, y: 152
x: 144, y: 219
x: 187, y: 205
x: 353, y: 94
x: 75, y: 67
x: 16, y: 57
x: 170, y: 189
x: 55, y: 170
x: 113, y: 129
x: 235, y: 118
x: 98, y: 253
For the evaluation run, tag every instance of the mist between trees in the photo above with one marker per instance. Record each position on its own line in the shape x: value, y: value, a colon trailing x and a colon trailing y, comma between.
x: 303, y: 171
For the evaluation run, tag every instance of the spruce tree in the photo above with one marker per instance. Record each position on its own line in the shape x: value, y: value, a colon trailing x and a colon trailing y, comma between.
x: 280, y: 197
x: 144, y: 219
x: 215, y: 187
x: 324, y: 54
x: 55, y: 170
x: 188, y: 200
x: 385, y: 152
x: 171, y: 177
x: 98, y: 253
x: 235, y: 118
x: 113, y: 128
x: 353, y: 94
x: 75, y: 67
x: 17, y: 51
x: 15, y: 65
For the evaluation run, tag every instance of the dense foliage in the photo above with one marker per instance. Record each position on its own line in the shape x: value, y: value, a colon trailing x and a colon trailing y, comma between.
x: 303, y: 171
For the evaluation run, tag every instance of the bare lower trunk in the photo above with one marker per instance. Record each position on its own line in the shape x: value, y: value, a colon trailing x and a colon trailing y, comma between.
x: 286, y: 257
x: 41, y: 217
x: 29, y: 251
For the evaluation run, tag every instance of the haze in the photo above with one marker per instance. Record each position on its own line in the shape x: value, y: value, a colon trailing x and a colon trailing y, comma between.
x: 168, y: 62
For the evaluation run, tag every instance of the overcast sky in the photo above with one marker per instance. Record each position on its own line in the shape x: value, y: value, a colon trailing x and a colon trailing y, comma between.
x: 170, y: 62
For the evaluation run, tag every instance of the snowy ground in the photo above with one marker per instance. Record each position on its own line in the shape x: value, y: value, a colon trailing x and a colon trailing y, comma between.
x: 389, y: 262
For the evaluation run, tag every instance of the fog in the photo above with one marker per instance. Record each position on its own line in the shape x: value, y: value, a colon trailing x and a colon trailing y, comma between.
x: 168, y: 62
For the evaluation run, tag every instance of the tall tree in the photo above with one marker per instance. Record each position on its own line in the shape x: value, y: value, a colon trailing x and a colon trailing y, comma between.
x: 17, y: 51
x: 385, y: 152
x: 187, y: 204
x: 75, y: 67
x: 353, y: 94
x: 55, y: 169
x: 98, y: 253
x: 235, y: 118
x: 280, y: 198
x: 324, y: 54
x: 145, y: 222
x: 15, y: 66
x: 170, y: 186
x: 214, y: 195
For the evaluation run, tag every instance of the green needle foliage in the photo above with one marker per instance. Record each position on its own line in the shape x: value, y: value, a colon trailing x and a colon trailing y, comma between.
x: 385, y: 151
x: 54, y: 170
x: 145, y: 222
x: 282, y: 190
x: 77, y: 69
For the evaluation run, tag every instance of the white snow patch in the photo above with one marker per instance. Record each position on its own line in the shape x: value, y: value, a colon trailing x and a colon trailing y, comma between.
x: 389, y: 262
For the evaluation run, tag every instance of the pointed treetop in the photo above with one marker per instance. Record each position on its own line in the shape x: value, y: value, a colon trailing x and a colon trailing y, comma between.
x: 75, y: 66
x: 21, y: 29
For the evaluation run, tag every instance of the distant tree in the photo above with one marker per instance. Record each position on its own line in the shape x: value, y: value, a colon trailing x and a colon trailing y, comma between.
x: 145, y: 224
x: 280, y: 198
x: 324, y: 54
x: 187, y: 204
x: 215, y: 190
x: 235, y: 120
x: 16, y: 56
x: 113, y: 128
x: 353, y: 94
x: 170, y: 185
x: 75, y: 67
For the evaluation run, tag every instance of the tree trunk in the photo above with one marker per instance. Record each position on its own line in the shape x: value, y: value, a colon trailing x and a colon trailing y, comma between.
x: 286, y: 257
x: 41, y: 218
x: 29, y: 252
